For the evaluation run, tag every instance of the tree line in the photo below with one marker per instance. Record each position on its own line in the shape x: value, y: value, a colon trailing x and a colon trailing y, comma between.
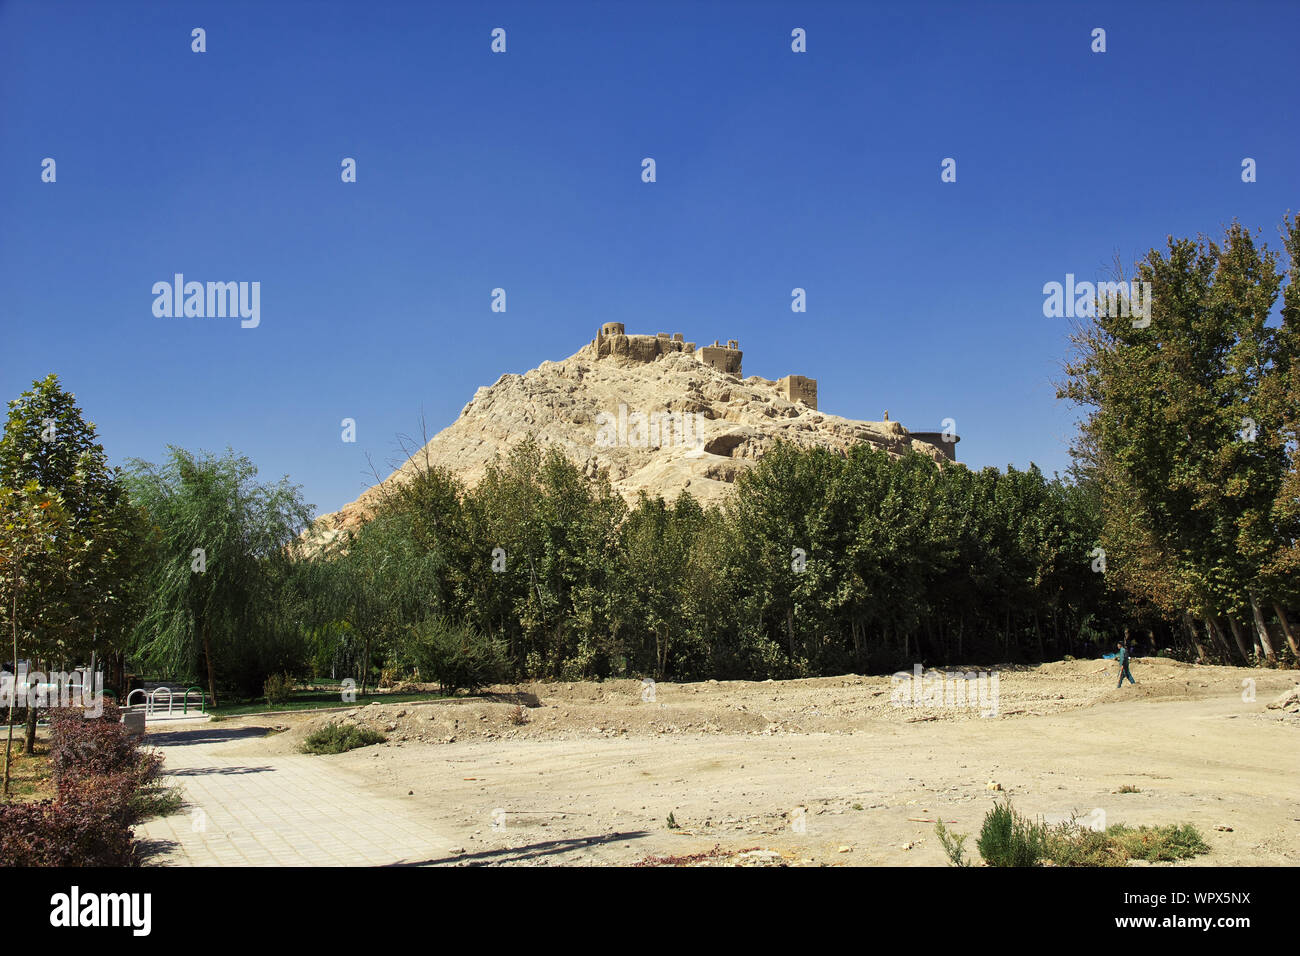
x: 820, y: 564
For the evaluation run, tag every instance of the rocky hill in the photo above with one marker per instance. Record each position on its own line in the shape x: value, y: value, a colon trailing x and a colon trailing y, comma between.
x: 654, y: 412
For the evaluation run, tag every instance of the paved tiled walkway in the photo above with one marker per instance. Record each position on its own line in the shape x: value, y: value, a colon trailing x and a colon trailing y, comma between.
x: 294, y: 810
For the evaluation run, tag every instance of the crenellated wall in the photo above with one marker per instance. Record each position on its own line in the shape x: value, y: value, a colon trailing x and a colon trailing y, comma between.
x: 612, y: 341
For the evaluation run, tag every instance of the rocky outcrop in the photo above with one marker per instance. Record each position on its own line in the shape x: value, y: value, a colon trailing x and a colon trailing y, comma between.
x: 657, y: 420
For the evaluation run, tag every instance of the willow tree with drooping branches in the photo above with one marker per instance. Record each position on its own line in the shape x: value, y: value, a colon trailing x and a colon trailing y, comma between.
x: 219, y: 587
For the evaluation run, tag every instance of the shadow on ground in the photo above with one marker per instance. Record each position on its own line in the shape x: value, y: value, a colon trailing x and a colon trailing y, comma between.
x: 202, y: 735
x: 521, y: 697
x: 531, y: 851
x: 214, y: 771
x: 151, y: 850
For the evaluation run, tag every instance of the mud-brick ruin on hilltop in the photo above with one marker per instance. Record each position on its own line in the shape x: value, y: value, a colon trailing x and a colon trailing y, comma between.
x: 612, y: 340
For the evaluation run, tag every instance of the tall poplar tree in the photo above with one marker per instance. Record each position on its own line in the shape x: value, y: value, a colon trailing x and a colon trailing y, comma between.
x: 73, y: 593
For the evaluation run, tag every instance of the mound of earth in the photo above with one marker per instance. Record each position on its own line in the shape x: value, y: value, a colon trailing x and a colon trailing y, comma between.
x: 620, y: 709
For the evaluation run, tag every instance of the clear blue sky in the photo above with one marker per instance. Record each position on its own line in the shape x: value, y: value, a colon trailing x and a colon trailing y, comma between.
x: 523, y: 171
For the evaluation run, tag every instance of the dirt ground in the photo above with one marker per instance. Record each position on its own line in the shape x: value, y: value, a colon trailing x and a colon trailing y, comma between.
x: 830, y: 770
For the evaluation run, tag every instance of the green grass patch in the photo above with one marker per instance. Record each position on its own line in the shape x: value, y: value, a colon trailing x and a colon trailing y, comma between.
x: 1072, y: 845
x: 316, y: 700
x: 339, y: 738
x: 30, y: 775
x: 1158, y: 844
x: 157, y: 801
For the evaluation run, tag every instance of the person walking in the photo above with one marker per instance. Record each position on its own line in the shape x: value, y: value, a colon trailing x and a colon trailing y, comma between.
x: 1123, y: 658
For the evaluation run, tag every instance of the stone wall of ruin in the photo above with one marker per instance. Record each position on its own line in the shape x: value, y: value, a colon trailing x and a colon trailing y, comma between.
x: 612, y: 341
x: 723, y: 358
x: 797, y: 388
x: 937, y: 441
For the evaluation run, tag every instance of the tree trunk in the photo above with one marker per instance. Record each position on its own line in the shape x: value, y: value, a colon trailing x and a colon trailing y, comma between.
x: 1261, y: 629
x: 365, y: 666
x: 1237, y: 636
x: 9, y: 743
x: 207, y: 656
x: 1189, y: 625
x: 29, y: 740
x: 1216, y: 634
x: 1286, y: 628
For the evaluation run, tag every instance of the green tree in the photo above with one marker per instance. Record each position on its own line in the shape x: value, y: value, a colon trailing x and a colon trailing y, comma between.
x: 33, y: 527
x: 73, y: 594
x: 219, y: 592
x: 378, y: 583
x: 553, y: 536
x: 1280, y: 395
x: 1186, y: 435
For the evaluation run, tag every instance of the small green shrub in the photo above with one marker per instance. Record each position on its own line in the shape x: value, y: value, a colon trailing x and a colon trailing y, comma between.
x: 1069, y: 844
x: 1009, y: 839
x: 156, y: 800
x: 278, y: 688
x: 954, y: 844
x: 456, y: 655
x: 339, y: 738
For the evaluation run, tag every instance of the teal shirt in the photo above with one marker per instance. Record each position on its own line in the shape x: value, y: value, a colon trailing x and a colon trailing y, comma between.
x: 1123, y: 657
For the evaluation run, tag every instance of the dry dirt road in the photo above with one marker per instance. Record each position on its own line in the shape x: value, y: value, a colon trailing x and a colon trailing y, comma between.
x: 824, y: 771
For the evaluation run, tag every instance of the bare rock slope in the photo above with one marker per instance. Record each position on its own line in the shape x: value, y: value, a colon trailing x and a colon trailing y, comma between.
x: 654, y: 413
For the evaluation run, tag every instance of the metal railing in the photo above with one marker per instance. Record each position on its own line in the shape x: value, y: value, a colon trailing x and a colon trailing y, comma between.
x: 152, y: 704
